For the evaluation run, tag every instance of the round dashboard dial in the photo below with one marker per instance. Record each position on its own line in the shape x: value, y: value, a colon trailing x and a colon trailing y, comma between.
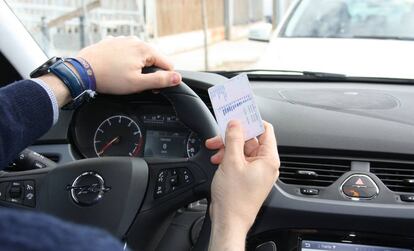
x: 193, y: 144
x: 118, y: 136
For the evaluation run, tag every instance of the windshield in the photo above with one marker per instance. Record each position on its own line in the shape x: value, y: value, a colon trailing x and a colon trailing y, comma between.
x: 366, y: 38
x: 383, y: 19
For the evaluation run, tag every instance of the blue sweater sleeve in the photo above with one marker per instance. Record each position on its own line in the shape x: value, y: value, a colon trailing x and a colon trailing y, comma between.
x: 26, y: 113
x: 22, y: 230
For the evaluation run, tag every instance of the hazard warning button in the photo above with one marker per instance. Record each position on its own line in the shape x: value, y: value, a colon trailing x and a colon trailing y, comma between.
x: 359, y: 186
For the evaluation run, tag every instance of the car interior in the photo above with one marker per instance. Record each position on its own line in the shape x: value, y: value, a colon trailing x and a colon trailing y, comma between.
x: 346, y: 147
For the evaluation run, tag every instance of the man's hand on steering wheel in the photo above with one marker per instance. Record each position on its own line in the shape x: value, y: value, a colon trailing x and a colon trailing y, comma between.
x: 117, y: 63
x: 246, y: 174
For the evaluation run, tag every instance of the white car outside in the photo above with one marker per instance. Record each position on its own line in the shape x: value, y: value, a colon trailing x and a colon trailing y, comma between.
x: 351, y: 49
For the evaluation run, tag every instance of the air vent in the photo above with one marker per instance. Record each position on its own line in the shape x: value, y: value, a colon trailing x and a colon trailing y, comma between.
x: 312, y: 170
x: 398, y: 176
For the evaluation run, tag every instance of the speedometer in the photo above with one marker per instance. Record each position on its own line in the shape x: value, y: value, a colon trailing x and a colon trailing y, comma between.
x: 193, y: 144
x: 118, y: 136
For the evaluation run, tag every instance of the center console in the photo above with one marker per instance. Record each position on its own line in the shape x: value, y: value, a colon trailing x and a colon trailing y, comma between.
x: 327, y: 240
x: 306, y: 245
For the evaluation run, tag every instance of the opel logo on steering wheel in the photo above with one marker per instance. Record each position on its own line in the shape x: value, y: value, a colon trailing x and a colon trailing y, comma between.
x: 88, y: 188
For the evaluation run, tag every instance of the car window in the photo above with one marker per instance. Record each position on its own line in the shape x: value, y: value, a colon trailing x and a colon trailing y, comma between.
x: 221, y: 35
x: 352, y: 19
x: 176, y: 28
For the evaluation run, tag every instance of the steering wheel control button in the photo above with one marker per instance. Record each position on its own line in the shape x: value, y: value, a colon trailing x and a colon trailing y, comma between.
x: 88, y: 189
x: 159, y: 190
x: 407, y: 197
x: 14, y: 192
x: 309, y: 191
x: 174, y: 180
x: 359, y: 186
x: 162, y: 177
x: 29, y: 193
x: 186, y: 176
x: 169, y: 180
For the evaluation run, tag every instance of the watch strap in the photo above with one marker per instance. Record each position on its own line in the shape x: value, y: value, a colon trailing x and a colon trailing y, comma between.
x: 85, y: 70
x: 81, y: 71
x: 68, y: 77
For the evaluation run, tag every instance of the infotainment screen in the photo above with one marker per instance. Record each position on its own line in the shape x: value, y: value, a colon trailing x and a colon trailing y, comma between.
x: 328, y: 246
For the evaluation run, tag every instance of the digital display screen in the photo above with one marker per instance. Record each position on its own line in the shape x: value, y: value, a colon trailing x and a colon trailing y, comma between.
x: 165, y: 144
x: 328, y: 246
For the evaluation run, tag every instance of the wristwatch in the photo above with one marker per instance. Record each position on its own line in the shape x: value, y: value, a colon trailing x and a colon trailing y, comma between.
x: 79, y: 91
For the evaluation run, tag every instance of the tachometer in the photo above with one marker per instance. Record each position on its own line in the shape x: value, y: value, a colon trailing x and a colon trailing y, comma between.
x: 118, y: 136
x: 193, y: 144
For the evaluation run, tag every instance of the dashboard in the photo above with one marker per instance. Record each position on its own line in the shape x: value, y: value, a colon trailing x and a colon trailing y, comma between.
x: 330, y: 134
x: 326, y: 132
x: 132, y: 126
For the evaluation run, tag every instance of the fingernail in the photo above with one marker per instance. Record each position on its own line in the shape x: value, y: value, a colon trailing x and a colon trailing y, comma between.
x: 232, y: 124
x: 213, y: 158
x: 175, y: 79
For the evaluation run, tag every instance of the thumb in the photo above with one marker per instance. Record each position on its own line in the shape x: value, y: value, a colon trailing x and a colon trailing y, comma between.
x: 158, y: 80
x: 234, y: 145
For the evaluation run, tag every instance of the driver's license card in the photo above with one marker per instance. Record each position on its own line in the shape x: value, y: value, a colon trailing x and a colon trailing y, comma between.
x: 234, y: 100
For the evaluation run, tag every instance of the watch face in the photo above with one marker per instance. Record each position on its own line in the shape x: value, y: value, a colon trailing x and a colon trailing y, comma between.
x: 44, y: 68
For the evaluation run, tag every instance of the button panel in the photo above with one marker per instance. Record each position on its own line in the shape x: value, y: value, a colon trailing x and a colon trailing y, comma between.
x: 169, y: 180
x: 309, y: 191
x: 407, y: 197
x: 19, y: 192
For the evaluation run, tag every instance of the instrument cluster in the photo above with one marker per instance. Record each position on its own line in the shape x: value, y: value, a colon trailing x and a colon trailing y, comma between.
x: 108, y: 127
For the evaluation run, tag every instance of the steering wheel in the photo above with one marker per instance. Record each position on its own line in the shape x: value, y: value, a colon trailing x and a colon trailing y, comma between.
x: 126, y: 196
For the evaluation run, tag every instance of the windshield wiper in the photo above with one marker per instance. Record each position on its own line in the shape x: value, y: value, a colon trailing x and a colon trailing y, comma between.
x: 265, y: 73
x: 291, y: 75
x: 385, y: 37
